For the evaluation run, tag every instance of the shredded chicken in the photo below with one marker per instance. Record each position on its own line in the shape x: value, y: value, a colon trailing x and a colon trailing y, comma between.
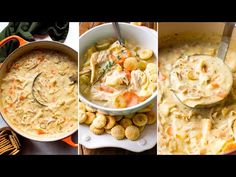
x: 138, y: 79
x: 98, y: 58
x: 98, y: 95
x: 116, y: 78
x: 144, y: 83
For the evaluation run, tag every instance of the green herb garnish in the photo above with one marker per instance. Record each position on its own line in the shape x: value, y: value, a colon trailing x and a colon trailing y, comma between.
x: 118, y: 57
x: 105, y: 69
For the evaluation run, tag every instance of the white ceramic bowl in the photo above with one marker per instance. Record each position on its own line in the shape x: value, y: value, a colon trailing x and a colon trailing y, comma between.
x: 143, y: 37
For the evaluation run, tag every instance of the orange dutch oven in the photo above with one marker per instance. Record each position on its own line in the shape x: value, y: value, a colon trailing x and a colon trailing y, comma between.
x: 26, y: 47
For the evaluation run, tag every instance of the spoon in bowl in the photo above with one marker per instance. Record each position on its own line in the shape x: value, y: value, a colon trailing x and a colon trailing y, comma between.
x: 202, y: 81
x: 118, y: 33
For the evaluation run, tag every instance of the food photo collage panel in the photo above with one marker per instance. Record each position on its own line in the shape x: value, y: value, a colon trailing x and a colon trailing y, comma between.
x: 117, y: 88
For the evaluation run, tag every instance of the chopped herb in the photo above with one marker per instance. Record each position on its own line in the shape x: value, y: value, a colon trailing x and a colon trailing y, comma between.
x: 118, y: 56
x: 105, y: 69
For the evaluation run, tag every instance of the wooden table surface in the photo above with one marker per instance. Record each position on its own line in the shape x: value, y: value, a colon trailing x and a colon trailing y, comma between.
x: 84, y: 26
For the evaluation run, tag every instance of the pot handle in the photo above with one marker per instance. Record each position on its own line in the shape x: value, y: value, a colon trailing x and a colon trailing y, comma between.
x: 13, y: 37
x: 69, y: 141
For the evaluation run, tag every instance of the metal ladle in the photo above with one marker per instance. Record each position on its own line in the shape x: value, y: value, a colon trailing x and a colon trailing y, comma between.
x: 221, y: 55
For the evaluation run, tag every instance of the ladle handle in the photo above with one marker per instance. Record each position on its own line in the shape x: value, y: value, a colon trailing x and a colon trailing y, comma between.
x: 225, y: 40
x: 118, y: 34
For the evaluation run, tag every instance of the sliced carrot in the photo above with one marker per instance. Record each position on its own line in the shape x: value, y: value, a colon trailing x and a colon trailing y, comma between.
x: 128, y: 95
x: 229, y: 147
x: 117, y: 61
x: 106, y: 89
x: 215, y: 85
x: 128, y: 74
x: 22, y: 98
x: 133, y: 101
x: 221, y: 94
x: 169, y: 131
x: 131, y: 98
x: 142, y: 98
x: 40, y: 131
x: 123, y: 56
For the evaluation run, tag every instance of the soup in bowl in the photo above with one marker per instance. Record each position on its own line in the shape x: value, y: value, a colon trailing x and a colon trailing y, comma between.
x: 118, y: 79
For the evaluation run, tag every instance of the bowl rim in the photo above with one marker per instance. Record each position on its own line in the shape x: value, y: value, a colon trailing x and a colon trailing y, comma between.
x: 128, y: 109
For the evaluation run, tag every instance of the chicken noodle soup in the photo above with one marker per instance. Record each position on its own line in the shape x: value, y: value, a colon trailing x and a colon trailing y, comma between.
x: 39, y: 93
x: 118, y: 76
x: 182, y: 130
x: 200, y: 80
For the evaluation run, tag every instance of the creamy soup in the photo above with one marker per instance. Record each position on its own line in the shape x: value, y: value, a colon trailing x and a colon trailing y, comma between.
x: 39, y: 94
x: 118, y: 76
x: 200, y: 80
x: 182, y: 130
